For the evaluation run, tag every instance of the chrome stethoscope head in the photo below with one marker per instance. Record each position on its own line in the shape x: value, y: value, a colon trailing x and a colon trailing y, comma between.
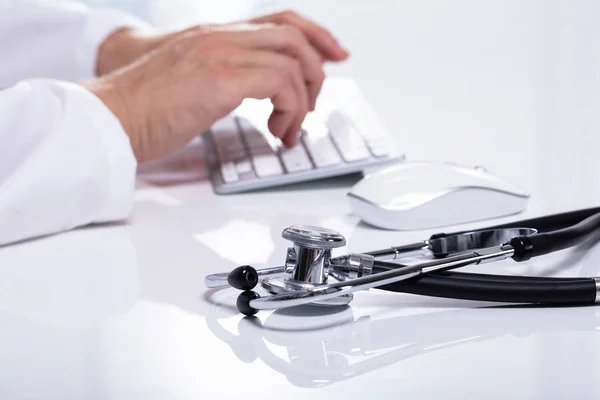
x: 307, y: 268
x: 308, y: 262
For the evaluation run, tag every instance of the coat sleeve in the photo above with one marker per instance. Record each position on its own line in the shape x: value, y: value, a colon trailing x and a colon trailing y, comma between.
x: 65, y: 160
x: 55, y: 39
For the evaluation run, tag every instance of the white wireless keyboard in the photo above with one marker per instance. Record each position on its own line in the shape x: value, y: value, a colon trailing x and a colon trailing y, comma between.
x: 343, y: 135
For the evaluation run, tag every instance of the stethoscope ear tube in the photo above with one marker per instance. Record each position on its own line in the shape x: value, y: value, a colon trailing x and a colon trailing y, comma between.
x: 543, y: 224
x: 518, y: 289
x: 500, y: 288
x: 539, y: 244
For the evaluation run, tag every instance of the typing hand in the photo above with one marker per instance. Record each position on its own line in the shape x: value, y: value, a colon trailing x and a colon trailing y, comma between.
x: 195, y: 77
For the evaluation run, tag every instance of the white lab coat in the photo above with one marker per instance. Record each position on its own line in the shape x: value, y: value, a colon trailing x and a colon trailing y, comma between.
x: 65, y: 160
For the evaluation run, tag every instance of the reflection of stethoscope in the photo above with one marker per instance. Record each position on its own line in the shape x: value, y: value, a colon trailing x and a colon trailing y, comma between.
x: 304, y: 277
x: 327, y: 348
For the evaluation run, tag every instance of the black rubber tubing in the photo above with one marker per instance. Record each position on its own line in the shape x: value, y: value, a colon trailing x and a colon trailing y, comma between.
x: 496, y: 278
x: 500, y: 288
x: 558, y: 231
x: 544, y: 243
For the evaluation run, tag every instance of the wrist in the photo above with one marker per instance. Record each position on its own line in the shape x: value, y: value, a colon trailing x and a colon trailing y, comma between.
x: 117, y: 101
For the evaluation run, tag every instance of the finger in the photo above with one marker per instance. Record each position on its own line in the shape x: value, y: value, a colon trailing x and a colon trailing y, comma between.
x: 294, y: 71
x: 280, y: 121
x: 291, y: 68
x: 290, y: 41
x: 274, y: 84
x: 288, y: 113
x: 318, y: 36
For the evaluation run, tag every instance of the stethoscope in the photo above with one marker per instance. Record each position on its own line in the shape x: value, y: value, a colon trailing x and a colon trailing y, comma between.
x: 304, y: 278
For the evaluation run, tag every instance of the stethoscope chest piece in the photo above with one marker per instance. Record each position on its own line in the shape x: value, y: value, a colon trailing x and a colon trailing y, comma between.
x: 308, y: 262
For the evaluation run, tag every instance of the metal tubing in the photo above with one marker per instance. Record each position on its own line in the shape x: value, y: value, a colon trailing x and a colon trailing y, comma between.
x: 324, y: 292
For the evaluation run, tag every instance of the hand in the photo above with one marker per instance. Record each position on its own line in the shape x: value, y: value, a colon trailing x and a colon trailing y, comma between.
x: 126, y: 45
x: 195, y: 77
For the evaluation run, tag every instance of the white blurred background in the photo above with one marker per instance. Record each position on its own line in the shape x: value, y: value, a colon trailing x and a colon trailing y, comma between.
x: 179, y: 13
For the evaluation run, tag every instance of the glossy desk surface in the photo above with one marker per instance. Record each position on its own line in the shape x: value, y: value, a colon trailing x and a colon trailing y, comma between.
x: 120, y: 311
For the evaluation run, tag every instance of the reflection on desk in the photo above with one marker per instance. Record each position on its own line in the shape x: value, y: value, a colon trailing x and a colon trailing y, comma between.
x: 55, y: 295
x: 345, y: 347
x: 71, y: 280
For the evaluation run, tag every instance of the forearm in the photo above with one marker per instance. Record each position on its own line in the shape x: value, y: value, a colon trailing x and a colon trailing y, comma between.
x: 58, y: 40
x: 65, y: 161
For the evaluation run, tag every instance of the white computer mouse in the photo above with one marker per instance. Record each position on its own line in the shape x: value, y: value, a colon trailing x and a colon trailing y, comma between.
x: 412, y: 196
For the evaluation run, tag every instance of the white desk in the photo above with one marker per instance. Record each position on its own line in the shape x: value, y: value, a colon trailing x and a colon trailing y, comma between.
x: 120, y: 312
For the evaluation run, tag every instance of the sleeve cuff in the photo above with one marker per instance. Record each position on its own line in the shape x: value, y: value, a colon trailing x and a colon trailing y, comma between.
x: 100, y: 24
x: 122, y: 161
x: 116, y: 150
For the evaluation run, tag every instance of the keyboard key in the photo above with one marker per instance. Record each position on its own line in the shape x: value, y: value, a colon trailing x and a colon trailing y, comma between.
x: 378, y: 146
x: 227, y: 140
x: 378, y: 151
x: 264, y: 159
x: 258, y: 142
x: 318, y: 142
x: 372, y: 134
x: 357, y: 111
x: 267, y: 165
x: 315, y: 126
x: 225, y: 127
x: 229, y: 173
x: 243, y: 166
x: 322, y: 151
x: 350, y: 99
x: 347, y: 139
x: 230, y: 152
x: 295, y: 159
